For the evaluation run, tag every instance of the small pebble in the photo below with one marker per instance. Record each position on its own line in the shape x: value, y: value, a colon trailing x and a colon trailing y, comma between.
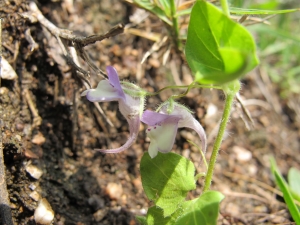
x: 7, y: 72
x: 137, y: 183
x: 100, y: 214
x: 114, y: 190
x: 124, y: 199
x: 242, y: 154
x: 29, y: 154
x: 3, y: 91
x: 43, y: 214
x: 211, y: 110
x: 38, y: 139
x: 32, y: 187
x: 34, y: 171
x: 252, y: 170
x: 143, y: 211
x: 18, y: 137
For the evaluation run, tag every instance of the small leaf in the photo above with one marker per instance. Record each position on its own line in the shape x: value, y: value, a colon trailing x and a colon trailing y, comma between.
x: 166, y: 179
x: 153, y: 8
x: 286, y: 193
x: 218, y: 49
x: 241, y: 11
x: 203, y: 210
x: 166, y: 6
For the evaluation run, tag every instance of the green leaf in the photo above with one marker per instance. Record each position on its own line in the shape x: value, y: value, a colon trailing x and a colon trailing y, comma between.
x: 286, y: 192
x: 166, y: 179
x: 241, y: 11
x: 156, y: 216
x: 166, y: 6
x: 203, y: 210
x: 153, y: 8
x: 218, y: 50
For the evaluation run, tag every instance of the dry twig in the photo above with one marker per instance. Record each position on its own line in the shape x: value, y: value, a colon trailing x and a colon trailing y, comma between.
x: 37, y: 120
x: 66, y: 38
x: 246, y: 112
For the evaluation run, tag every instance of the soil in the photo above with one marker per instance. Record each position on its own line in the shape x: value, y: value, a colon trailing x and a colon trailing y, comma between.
x: 45, y: 123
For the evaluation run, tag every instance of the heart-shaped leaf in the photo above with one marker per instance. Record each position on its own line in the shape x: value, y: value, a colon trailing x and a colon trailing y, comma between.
x: 218, y: 50
x: 166, y: 180
x: 203, y: 210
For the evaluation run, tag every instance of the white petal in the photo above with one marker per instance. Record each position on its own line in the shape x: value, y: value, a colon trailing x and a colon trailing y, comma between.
x: 164, y: 135
x: 153, y: 149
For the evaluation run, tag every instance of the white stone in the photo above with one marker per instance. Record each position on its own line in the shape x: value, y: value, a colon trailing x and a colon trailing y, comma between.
x: 211, y: 110
x: 114, y: 190
x: 34, y: 171
x: 43, y: 214
x: 242, y: 154
x: 6, y: 71
x: 32, y: 187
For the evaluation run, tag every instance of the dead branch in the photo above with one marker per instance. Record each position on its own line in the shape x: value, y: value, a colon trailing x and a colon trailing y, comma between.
x: 66, y: 38
x: 245, y: 111
x: 37, y: 120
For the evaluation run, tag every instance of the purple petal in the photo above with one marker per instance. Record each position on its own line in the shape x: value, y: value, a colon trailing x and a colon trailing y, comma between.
x: 152, y: 118
x: 134, y: 126
x: 114, y: 81
x: 190, y: 122
x: 195, y: 125
x: 107, y: 90
x: 103, y: 93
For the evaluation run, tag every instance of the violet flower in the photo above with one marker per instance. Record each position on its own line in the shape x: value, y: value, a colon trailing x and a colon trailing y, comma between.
x: 163, y: 127
x: 131, y: 103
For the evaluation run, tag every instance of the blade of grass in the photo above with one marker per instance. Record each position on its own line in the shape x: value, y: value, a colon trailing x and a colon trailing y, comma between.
x: 241, y: 11
x: 235, y: 10
x: 286, y: 193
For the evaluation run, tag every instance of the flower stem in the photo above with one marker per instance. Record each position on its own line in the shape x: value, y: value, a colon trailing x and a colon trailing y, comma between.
x: 218, y: 141
x: 183, y: 86
x: 225, y: 7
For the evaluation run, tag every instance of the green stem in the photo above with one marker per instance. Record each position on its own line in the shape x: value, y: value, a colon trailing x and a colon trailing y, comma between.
x: 175, y: 26
x: 225, y: 7
x: 183, y: 86
x: 218, y: 141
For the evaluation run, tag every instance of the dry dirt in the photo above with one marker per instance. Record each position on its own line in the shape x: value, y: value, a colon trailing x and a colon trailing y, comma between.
x: 45, y: 123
